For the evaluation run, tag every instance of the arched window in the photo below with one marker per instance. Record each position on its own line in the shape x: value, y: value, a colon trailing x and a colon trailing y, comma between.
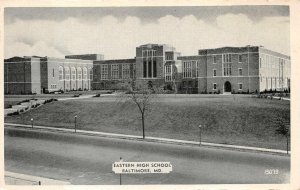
x: 67, y: 73
x: 84, y: 73
x: 91, y: 73
x: 73, y: 70
x: 61, y: 73
x: 79, y: 73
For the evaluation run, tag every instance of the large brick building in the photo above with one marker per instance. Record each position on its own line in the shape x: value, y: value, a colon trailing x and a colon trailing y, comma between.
x: 236, y: 70
x: 27, y: 75
x: 221, y: 70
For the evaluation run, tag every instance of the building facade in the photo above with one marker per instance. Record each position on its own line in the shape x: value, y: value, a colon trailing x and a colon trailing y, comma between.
x: 246, y: 69
x: 65, y: 74
x: 36, y: 75
x: 113, y: 74
x: 237, y: 70
x: 22, y: 75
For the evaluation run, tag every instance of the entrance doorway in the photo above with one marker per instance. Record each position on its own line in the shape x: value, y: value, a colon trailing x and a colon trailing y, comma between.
x: 227, y: 87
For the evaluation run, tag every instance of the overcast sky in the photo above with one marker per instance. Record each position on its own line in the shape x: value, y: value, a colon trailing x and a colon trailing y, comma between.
x: 115, y: 32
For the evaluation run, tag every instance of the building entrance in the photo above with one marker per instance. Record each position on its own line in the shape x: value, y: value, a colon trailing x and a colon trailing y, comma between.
x: 227, y: 87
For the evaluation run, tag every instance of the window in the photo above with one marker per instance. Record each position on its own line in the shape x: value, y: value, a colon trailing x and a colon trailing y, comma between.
x: 84, y: 73
x: 227, y: 69
x: 115, y: 71
x: 215, y: 86
x: 73, y: 71
x: 214, y: 59
x: 240, y: 86
x: 240, y: 58
x: 240, y: 71
x: 168, y: 72
x: 53, y: 86
x: 260, y: 62
x: 53, y: 72
x: 60, y: 73
x: 104, y: 72
x: 227, y: 64
x: 79, y: 73
x: 67, y: 73
x: 227, y: 58
x: 91, y: 73
x: 149, y: 64
x: 215, y: 72
x: 187, y: 69
x: 126, y: 71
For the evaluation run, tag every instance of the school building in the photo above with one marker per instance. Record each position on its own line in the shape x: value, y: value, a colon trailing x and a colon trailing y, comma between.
x: 245, y: 69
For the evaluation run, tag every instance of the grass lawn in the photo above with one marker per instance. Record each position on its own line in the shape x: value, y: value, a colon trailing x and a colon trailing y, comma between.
x: 240, y: 120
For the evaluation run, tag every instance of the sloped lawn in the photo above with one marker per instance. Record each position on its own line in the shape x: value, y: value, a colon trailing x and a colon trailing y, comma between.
x: 237, y: 120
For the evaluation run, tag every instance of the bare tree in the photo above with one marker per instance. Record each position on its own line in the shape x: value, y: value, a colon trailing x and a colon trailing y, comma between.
x: 284, y: 130
x: 142, y: 97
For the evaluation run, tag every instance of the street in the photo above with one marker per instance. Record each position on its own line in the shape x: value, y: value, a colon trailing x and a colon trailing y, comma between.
x: 87, y: 160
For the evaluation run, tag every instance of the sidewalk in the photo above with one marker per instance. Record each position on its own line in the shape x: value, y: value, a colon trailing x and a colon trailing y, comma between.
x: 154, y: 139
x: 83, y: 97
x: 12, y: 178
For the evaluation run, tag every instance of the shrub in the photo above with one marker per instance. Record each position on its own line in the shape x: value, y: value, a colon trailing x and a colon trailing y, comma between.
x: 97, y: 95
x: 76, y: 95
x: 21, y: 111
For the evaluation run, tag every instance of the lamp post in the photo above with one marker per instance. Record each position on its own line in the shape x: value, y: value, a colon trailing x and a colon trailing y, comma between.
x: 121, y: 160
x: 31, y: 122
x: 200, y: 126
x: 75, y: 118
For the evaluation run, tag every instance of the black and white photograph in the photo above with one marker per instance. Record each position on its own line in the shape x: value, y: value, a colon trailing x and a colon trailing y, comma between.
x: 147, y: 95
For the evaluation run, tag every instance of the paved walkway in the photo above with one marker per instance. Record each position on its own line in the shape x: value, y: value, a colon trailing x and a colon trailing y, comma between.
x: 12, y: 178
x: 154, y: 139
x: 83, y: 97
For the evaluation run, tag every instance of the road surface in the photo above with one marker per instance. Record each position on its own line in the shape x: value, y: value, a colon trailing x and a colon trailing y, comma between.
x: 87, y: 160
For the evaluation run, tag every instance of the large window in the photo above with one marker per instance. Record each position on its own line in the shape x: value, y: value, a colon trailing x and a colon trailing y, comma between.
x: 104, y: 72
x: 227, y: 69
x: 227, y: 59
x: 79, y: 73
x: 187, y: 69
x: 91, y: 73
x: 67, y: 73
x: 149, y: 64
x: 61, y: 73
x: 168, y: 72
x: 126, y: 71
x: 84, y: 73
x: 73, y: 71
x: 115, y: 71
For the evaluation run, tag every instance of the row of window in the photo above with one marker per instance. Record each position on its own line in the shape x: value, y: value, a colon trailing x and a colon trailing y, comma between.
x: 239, y: 84
x: 149, y: 68
x: 188, y: 67
x: 76, y: 74
x: 115, y: 73
x: 53, y: 86
x: 269, y: 61
x: 227, y: 58
x: 149, y: 53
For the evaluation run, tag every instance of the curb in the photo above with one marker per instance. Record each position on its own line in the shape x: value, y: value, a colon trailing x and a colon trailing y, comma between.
x: 156, y: 139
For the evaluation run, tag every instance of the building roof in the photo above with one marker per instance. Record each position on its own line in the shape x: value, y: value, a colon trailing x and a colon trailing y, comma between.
x: 112, y: 61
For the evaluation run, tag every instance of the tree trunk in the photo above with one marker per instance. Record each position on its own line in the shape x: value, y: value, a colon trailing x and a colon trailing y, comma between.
x: 143, y: 125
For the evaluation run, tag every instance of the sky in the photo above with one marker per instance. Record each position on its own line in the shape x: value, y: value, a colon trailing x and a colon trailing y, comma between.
x: 117, y: 31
